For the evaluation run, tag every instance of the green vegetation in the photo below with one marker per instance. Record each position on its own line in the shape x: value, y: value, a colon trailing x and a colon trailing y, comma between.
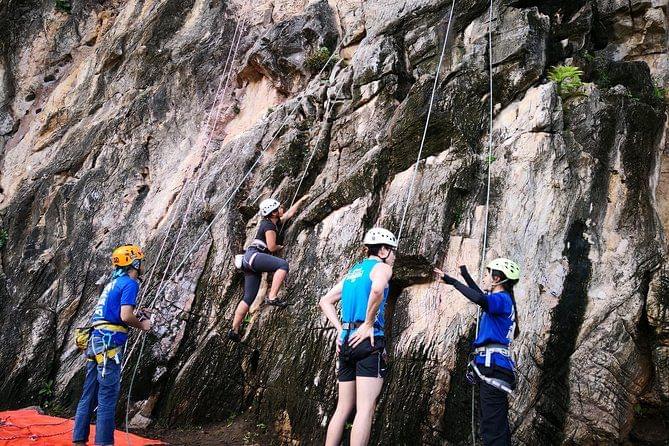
x: 658, y: 92
x: 633, y: 97
x: 567, y: 78
x: 63, y: 6
x: 588, y: 56
x: 603, y: 79
x: 317, y: 60
x: 46, y: 391
x: 3, y: 238
x: 235, y: 109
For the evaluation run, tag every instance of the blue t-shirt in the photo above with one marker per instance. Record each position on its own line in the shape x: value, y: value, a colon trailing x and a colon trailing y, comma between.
x: 496, y: 327
x: 355, y: 297
x: 120, y: 291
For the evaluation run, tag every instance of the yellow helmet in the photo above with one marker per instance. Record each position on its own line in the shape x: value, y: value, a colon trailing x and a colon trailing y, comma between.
x: 508, y: 267
x: 126, y: 255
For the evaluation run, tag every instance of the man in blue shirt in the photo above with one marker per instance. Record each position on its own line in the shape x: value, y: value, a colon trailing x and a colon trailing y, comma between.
x: 492, y: 366
x: 360, y: 336
x: 113, y: 314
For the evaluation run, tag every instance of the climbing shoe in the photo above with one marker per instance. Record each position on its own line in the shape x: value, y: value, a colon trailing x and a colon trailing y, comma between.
x: 276, y: 302
x: 234, y: 337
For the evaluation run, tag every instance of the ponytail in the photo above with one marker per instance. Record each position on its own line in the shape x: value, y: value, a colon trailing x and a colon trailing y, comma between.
x: 508, y: 285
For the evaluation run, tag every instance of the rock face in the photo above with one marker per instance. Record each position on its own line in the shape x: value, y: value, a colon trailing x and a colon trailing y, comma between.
x: 113, y: 128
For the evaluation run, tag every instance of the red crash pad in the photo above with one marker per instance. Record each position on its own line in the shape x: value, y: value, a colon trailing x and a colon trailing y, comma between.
x: 29, y: 427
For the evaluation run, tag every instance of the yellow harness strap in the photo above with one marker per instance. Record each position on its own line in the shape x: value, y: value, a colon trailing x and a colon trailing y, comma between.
x: 100, y: 357
x: 111, y: 353
x: 110, y: 327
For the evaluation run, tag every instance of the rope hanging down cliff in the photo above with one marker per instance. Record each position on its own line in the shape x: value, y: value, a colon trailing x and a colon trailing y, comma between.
x: 222, y: 208
x: 488, y: 160
x: 206, y: 132
x: 409, y: 194
x: 215, y: 109
x: 484, y: 245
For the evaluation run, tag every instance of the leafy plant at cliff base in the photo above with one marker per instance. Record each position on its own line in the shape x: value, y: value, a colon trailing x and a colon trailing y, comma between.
x: 567, y: 78
x: 658, y: 92
x: 317, y: 60
x: 3, y: 238
x: 63, y: 6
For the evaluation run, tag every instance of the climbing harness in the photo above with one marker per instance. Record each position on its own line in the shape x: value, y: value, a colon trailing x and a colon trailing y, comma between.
x: 240, y: 259
x: 473, y: 373
x: 488, y: 350
x: 82, y: 335
x: 348, y: 353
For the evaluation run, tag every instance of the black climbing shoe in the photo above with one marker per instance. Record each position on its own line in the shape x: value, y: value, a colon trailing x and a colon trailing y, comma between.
x: 276, y: 302
x: 234, y: 337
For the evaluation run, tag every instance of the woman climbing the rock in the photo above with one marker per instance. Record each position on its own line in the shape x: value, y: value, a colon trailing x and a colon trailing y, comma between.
x: 260, y: 257
x: 492, y: 367
x: 360, y: 341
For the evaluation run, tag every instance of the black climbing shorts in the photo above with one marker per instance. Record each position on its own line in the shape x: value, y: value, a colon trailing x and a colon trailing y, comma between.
x: 364, y: 360
x: 262, y: 263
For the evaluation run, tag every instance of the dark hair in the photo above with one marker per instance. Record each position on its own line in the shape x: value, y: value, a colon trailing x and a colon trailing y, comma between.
x: 373, y: 250
x: 508, y: 285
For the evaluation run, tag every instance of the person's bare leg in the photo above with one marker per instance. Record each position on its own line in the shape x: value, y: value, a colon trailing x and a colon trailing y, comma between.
x: 345, y: 404
x: 367, y: 390
x: 277, y: 281
x: 240, y: 312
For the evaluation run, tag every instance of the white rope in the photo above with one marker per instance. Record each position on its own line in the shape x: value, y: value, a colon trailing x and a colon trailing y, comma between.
x: 154, y: 267
x: 218, y: 97
x: 328, y: 109
x: 487, y: 199
x: 427, y: 122
x: 195, y: 245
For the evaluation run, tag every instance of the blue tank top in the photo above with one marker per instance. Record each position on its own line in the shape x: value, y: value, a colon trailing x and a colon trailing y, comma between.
x: 496, y: 327
x: 355, y: 296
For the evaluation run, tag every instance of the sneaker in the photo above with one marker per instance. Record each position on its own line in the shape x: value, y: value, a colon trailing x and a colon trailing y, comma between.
x: 233, y: 336
x: 276, y: 302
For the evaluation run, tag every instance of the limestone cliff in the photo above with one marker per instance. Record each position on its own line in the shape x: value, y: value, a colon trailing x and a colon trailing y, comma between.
x: 113, y: 128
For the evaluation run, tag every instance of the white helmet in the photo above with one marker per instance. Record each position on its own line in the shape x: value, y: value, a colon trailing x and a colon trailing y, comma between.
x: 268, y: 206
x: 510, y: 268
x: 380, y: 236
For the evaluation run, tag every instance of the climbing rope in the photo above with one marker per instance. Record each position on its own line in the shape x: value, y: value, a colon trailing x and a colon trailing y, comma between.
x: 326, y: 114
x: 487, y: 198
x: 197, y: 242
x: 204, y: 129
x: 207, y: 129
x: 427, y: 123
x: 215, y: 109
